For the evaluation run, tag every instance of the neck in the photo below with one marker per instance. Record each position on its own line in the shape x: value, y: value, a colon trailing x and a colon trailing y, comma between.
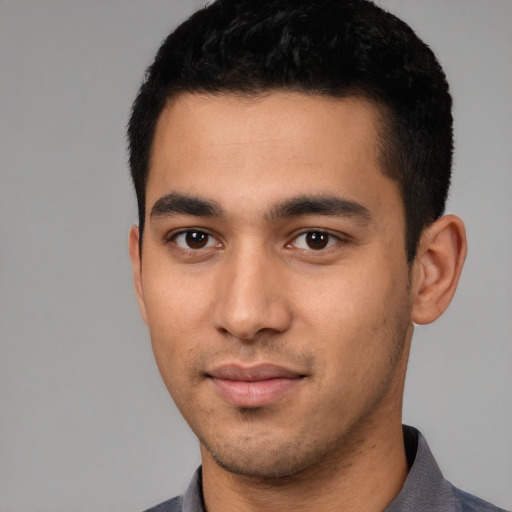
x: 366, y: 478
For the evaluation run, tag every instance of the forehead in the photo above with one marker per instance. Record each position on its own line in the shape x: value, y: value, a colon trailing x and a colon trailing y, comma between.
x: 262, y: 148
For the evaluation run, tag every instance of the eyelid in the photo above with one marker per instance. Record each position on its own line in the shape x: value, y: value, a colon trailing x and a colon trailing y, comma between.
x: 339, y: 238
x: 174, y: 234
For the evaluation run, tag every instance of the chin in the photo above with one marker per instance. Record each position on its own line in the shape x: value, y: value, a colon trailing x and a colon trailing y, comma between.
x: 265, y: 470
x: 280, y: 462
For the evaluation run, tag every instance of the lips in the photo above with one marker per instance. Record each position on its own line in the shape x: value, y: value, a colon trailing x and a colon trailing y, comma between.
x: 252, y: 387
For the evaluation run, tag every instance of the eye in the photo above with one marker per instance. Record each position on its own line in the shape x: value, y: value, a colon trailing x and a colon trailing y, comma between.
x: 194, y: 239
x: 315, y: 240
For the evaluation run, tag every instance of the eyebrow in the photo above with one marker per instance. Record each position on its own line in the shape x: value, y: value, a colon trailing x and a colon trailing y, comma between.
x: 325, y: 205
x: 182, y: 204
x: 331, y: 206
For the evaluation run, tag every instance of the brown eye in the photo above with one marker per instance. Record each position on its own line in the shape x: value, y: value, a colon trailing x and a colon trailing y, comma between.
x: 194, y: 239
x: 315, y: 240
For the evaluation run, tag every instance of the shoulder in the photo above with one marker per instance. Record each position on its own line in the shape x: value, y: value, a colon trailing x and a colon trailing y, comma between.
x: 172, y: 505
x: 425, y: 487
x: 466, y: 502
x: 191, y: 501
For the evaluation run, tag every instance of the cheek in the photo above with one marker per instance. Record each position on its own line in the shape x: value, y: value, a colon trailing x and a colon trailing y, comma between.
x: 176, y: 316
x: 355, y: 317
x: 353, y: 297
x: 175, y: 302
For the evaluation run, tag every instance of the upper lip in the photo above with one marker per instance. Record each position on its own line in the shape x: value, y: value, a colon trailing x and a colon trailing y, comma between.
x: 254, y: 373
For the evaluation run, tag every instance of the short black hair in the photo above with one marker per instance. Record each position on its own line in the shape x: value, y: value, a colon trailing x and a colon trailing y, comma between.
x: 338, y: 48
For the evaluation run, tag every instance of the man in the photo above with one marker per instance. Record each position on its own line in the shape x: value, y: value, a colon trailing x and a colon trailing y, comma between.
x: 291, y: 161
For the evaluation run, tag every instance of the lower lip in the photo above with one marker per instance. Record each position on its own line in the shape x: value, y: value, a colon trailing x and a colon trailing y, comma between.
x: 256, y: 393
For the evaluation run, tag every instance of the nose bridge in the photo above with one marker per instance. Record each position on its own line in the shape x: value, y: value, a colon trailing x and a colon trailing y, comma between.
x: 250, y: 298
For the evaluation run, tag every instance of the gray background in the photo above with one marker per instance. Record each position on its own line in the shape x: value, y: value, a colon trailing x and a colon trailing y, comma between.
x: 85, y: 423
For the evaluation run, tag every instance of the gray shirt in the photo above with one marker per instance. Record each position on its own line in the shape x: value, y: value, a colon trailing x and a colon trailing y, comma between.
x: 424, y: 490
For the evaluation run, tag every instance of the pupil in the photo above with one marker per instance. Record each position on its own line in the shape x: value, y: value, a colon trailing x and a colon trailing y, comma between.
x: 317, y: 240
x: 196, y: 239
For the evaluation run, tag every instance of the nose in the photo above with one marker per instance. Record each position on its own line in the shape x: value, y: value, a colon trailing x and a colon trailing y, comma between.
x: 251, y: 298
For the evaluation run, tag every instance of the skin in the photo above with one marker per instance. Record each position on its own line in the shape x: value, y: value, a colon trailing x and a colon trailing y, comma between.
x: 237, y: 272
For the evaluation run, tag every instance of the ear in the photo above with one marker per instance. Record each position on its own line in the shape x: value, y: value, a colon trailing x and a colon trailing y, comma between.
x: 437, y: 268
x: 135, y: 257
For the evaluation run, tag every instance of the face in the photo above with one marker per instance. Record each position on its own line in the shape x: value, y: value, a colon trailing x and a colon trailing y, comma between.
x: 274, y: 278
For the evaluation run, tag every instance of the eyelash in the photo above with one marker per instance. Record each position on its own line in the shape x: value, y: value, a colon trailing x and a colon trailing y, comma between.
x: 317, y: 236
x: 193, y: 232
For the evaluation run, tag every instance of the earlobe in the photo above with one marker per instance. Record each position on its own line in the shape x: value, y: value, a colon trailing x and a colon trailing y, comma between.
x: 437, y: 268
x: 137, y: 269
